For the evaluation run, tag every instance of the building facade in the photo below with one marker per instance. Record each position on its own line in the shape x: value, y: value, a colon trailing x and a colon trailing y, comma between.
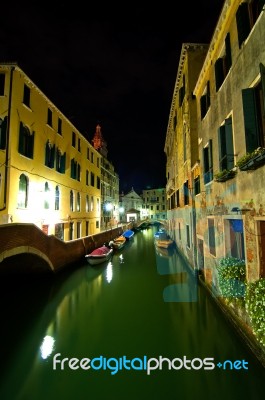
x: 109, y: 184
x: 154, y: 204
x: 181, y: 148
x: 224, y: 193
x: 230, y: 94
x: 131, y: 205
x: 49, y: 173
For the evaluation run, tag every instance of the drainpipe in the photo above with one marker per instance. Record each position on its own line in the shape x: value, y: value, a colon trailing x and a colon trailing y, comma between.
x: 8, y: 135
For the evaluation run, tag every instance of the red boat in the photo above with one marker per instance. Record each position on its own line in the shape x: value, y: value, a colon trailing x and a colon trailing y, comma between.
x: 99, y: 255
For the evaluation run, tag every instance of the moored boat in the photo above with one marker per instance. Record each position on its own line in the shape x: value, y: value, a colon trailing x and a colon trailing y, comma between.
x: 128, y: 234
x: 99, y: 255
x: 118, y: 243
x: 162, y: 239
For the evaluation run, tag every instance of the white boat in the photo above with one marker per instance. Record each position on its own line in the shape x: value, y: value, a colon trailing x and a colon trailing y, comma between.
x: 163, y: 240
x: 99, y: 255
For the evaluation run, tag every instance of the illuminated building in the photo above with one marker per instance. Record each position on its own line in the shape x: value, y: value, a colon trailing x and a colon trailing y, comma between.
x: 109, y: 184
x: 49, y: 172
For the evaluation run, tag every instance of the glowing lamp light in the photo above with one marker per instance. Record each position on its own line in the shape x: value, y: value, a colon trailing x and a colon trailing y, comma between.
x: 109, y: 207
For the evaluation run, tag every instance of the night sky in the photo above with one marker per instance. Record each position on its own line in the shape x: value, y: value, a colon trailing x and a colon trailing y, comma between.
x: 110, y: 65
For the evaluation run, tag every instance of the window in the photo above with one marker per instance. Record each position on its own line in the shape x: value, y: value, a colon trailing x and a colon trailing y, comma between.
x: 49, y: 154
x: 75, y: 170
x: 73, y: 139
x: 211, y: 236
x: 92, y: 179
x: 92, y: 157
x: 87, y: 203
x: 26, y: 141
x: 184, y: 142
x: 98, y: 182
x: 59, y: 130
x: 223, y: 64
x: 71, y: 230
x: 182, y: 92
x: 79, y: 145
x: 175, y: 121
x: 87, y: 177
x: 78, y: 202
x: 197, y: 185
x: 57, y: 198
x: 186, y: 193
x: 188, y: 235
x: 46, y: 196
x: 60, y: 161
x: 87, y: 153
x: 78, y: 230
x: 49, y: 117
x: 23, y: 192
x: 71, y: 200
x: 26, y: 96
x: 87, y: 228
x: 246, y: 16
x: 234, y: 238
x: 3, y: 126
x: 92, y: 204
x: 226, y: 146
x: 207, y: 162
x: 177, y: 198
x: 205, y: 100
x: 2, y: 84
x: 253, y: 109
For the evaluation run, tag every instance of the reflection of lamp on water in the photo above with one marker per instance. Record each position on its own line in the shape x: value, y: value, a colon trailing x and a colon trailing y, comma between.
x: 47, y: 346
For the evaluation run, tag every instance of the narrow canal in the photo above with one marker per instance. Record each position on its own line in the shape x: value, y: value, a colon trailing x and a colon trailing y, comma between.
x: 149, y: 329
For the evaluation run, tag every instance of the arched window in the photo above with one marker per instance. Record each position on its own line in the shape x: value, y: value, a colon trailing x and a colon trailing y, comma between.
x: 78, y: 201
x: 57, y: 198
x: 46, y: 196
x: 22, y: 192
x: 71, y: 200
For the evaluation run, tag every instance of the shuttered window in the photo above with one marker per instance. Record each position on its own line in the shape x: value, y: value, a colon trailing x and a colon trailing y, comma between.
x: 226, y: 146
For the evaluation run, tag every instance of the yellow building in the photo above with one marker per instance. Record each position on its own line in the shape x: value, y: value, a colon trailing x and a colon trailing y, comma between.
x: 49, y: 172
x: 109, y: 184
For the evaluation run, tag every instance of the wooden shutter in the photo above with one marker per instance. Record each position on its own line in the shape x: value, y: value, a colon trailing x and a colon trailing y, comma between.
x: 250, y: 119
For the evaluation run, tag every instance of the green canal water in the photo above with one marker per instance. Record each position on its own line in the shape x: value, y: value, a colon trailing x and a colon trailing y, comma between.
x: 139, y: 327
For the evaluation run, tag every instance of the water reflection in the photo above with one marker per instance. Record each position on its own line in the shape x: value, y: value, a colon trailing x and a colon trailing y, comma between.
x: 142, y: 303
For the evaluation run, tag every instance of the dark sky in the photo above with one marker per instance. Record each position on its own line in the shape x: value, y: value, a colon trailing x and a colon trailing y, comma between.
x: 110, y: 65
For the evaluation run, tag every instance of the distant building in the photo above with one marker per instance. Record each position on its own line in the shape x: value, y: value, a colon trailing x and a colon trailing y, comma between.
x: 49, y: 173
x: 154, y: 204
x: 109, y: 184
x: 130, y: 206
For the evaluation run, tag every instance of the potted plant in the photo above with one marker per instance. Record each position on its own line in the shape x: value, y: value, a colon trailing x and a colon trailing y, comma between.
x: 252, y: 160
x: 224, y: 175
